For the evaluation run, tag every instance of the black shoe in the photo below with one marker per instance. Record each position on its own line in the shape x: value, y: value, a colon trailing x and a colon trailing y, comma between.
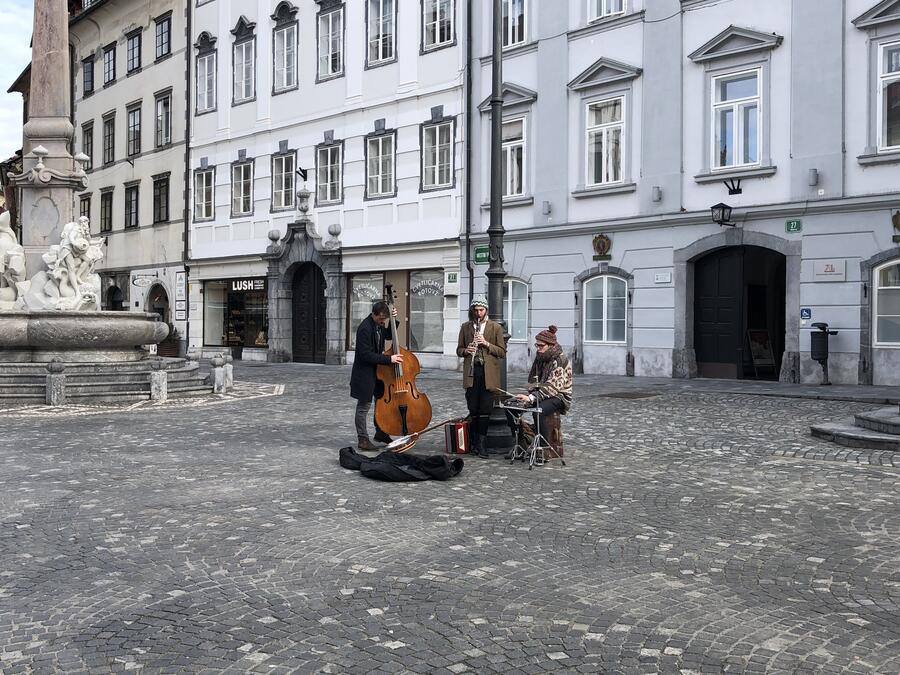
x: 366, y: 444
x: 382, y: 437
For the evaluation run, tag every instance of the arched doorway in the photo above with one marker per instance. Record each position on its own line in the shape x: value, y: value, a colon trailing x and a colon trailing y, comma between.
x: 308, y: 314
x: 115, y: 299
x: 158, y: 302
x: 739, y: 312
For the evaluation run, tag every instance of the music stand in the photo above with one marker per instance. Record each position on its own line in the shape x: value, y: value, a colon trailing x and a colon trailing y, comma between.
x: 539, y: 451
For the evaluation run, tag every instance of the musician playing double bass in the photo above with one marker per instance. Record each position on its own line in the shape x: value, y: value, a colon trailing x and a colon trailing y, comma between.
x: 481, y: 344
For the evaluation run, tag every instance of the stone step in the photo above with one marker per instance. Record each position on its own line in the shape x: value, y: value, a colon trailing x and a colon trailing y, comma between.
x: 849, y: 435
x: 885, y: 420
x: 93, y: 368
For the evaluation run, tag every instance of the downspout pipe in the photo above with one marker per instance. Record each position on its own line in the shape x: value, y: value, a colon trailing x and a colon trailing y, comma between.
x: 186, y: 213
x: 469, y: 135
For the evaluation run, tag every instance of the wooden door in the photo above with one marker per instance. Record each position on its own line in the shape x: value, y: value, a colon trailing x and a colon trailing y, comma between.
x: 718, y: 313
x: 308, y: 315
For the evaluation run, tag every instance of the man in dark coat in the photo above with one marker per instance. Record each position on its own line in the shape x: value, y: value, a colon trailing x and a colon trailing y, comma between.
x: 364, y: 386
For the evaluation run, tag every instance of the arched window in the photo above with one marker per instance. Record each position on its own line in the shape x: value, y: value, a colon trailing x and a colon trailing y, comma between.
x: 887, y: 304
x: 605, y: 300
x: 515, y: 308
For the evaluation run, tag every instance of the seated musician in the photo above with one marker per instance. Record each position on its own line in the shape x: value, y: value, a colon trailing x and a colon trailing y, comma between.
x: 550, y: 378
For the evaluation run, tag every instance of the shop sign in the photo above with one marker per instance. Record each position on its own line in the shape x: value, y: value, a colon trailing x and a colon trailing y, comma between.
x: 830, y: 270
x: 662, y: 278
x: 792, y: 226
x: 248, y: 284
x: 482, y: 255
x: 365, y: 292
x: 180, y: 286
x: 428, y: 287
x: 143, y: 281
x: 180, y: 305
x: 180, y: 315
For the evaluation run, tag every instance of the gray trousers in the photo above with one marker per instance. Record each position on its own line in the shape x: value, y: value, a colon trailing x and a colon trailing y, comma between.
x: 359, y: 419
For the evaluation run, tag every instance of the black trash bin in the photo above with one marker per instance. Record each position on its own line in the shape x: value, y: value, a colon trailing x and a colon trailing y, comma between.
x: 818, y: 346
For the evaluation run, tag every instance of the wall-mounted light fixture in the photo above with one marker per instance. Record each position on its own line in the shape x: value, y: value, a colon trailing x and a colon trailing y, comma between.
x: 721, y: 214
x: 813, y: 179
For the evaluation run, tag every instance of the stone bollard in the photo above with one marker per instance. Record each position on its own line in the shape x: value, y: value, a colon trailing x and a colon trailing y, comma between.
x: 229, y: 372
x: 56, y: 383
x: 159, y: 382
x: 193, y: 354
x: 218, y: 375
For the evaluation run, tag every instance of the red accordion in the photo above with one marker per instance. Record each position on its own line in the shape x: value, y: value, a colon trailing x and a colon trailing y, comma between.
x: 456, y: 435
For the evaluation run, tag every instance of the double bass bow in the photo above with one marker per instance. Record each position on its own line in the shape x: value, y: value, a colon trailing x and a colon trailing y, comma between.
x: 402, y: 409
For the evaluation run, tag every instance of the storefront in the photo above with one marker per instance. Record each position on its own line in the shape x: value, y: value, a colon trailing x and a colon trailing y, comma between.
x: 236, y: 316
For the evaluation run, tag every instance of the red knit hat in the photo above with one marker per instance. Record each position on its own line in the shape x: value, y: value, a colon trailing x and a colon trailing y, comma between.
x: 547, y: 336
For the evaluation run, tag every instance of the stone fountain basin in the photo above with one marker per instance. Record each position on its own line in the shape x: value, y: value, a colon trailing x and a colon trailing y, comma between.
x: 78, y: 336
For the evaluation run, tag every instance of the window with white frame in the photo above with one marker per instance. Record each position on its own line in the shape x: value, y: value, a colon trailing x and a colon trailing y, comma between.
x: 286, y: 57
x: 380, y: 166
x: 328, y: 174
x: 87, y: 144
x: 889, y: 105
x: 437, y: 155
x: 513, y: 22
x: 605, y: 302
x: 133, y: 137
x: 513, y: 157
x: 887, y: 304
x: 737, y: 119
x: 244, y: 71
x: 163, y: 133
x: 605, y: 135
x: 283, y: 167
x: 204, y: 187
x: 600, y: 9
x: 242, y: 189
x: 437, y: 23
x: 515, y: 308
x: 381, y: 31
x: 206, y: 82
x: 331, y: 43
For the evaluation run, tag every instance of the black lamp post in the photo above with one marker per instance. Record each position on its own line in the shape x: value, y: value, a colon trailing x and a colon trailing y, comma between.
x: 721, y: 214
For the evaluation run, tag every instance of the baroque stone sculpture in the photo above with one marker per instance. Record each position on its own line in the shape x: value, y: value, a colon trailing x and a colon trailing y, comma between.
x: 12, y: 263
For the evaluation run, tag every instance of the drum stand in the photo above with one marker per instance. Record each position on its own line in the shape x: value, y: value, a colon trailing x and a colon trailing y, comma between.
x: 539, y: 451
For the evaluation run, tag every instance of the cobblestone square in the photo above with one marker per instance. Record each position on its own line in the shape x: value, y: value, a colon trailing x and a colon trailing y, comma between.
x: 695, y: 530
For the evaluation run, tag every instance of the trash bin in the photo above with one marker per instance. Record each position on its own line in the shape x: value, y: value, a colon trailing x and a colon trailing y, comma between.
x: 818, y: 346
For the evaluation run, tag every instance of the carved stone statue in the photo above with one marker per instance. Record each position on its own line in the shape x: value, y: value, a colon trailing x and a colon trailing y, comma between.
x: 12, y: 263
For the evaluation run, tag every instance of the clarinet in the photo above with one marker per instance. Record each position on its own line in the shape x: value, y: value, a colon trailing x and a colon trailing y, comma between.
x: 477, y: 325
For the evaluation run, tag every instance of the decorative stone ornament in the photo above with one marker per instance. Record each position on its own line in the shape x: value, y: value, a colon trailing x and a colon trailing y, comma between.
x: 41, y: 175
x: 602, y: 246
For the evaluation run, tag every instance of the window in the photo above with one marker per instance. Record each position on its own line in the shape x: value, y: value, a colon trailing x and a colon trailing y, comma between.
x: 365, y: 289
x: 604, y: 309
x: 133, y: 52
x: 285, y: 58
x: 106, y: 205
x: 236, y: 313
x: 889, y: 105
x: 887, y: 304
x: 131, y: 206
x: 134, y: 132
x: 163, y: 37
x: 331, y: 44
x: 604, y: 141
x: 437, y: 155
x: 84, y: 206
x: 426, y: 311
x: 283, y: 167
x: 381, y: 31
x: 244, y: 71
x: 380, y: 166
x: 87, y: 145
x: 87, y: 73
x: 601, y: 9
x: 515, y: 309
x: 736, y: 119
x: 513, y: 22
x: 163, y: 127
x: 437, y: 23
x: 242, y: 189
x: 109, y: 64
x: 513, y: 151
x: 328, y: 174
x: 206, y: 82
x: 204, y: 194
x: 109, y: 140
x: 161, y: 198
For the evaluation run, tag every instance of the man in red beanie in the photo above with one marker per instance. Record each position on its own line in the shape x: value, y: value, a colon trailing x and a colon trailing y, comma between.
x: 550, y: 378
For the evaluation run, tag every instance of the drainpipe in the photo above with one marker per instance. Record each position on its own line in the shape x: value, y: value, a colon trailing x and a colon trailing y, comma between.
x: 186, y: 213
x: 469, y: 136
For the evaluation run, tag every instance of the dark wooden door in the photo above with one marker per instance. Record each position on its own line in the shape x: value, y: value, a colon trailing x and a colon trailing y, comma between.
x: 718, y: 313
x: 309, y: 315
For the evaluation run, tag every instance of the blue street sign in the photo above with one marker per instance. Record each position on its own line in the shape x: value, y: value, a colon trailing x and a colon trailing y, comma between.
x: 805, y: 313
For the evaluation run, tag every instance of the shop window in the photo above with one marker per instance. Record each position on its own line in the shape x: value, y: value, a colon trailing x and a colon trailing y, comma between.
x: 605, y: 302
x: 365, y: 289
x: 235, y: 313
x: 887, y: 305
x: 515, y: 309
x: 426, y: 311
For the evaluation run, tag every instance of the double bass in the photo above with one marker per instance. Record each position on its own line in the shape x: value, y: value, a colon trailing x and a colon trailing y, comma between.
x: 402, y: 409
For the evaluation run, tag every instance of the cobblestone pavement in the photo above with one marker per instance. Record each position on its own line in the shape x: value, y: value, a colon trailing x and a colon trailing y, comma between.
x: 692, y: 532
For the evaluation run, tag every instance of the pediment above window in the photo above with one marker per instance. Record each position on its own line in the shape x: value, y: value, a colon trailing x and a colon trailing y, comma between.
x: 885, y: 11
x: 243, y: 29
x: 604, y: 71
x: 326, y: 5
x: 512, y: 94
x: 284, y: 13
x: 205, y: 43
x: 734, y: 40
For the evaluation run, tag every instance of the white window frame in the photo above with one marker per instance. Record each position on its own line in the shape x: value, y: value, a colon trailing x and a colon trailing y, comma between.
x: 736, y: 105
x: 605, y: 130
x: 506, y: 158
x: 204, y: 180
x: 283, y: 181
x: 286, y: 62
x: 208, y: 83
x: 884, y: 80
x: 876, y: 287
x: 163, y: 121
x: 329, y: 152
x: 238, y: 183
x: 431, y: 173
x: 584, y: 304
x: 326, y: 33
x: 436, y: 4
x: 384, y: 179
x: 509, y: 34
x: 244, y: 78
x: 603, y: 9
x: 375, y: 31
x: 507, y: 308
